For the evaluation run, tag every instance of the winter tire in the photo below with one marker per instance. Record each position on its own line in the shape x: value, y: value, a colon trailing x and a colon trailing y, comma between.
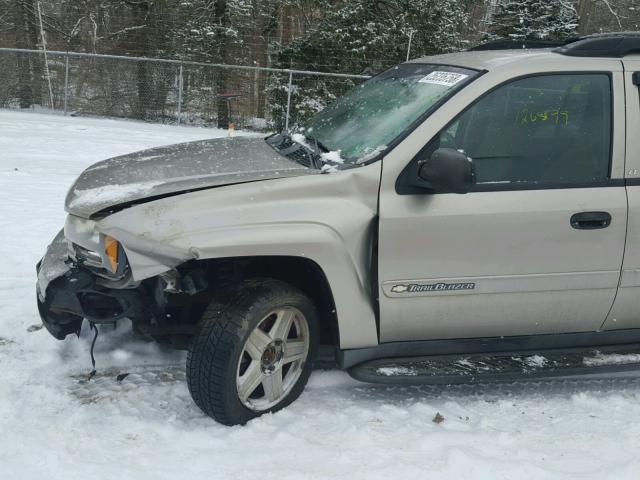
x: 254, y: 355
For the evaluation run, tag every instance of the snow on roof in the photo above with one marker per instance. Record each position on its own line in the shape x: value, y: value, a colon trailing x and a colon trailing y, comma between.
x: 487, y: 60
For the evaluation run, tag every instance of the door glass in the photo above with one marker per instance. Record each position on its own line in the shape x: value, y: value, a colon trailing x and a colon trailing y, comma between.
x: 544, y: 129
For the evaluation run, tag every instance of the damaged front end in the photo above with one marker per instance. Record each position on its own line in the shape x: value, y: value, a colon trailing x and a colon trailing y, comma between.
x: 94, y: 282
x: 68, y: 291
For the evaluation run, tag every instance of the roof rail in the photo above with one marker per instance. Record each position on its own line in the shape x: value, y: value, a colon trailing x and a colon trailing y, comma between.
x: 603, y: 45
x: 509, y: 44
x: 616, y: 44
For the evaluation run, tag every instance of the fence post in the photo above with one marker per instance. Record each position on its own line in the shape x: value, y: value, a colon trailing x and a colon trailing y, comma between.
x: 179, y: 92
x: 66, y: 82
x: 409, y: 46
x: 286, y: 121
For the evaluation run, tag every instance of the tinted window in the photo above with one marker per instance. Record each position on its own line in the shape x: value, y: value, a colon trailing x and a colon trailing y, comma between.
x: 549, y: 129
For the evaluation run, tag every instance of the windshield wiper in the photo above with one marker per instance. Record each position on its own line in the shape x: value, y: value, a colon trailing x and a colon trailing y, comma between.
x: 304, y: 154
x: 318, y: 150
x: 320, y: 147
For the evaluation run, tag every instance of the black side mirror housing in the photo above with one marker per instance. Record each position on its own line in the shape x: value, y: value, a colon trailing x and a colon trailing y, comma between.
x: 448, y: 171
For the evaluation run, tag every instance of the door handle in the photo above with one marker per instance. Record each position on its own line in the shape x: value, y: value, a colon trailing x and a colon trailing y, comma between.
x: 590, y: 220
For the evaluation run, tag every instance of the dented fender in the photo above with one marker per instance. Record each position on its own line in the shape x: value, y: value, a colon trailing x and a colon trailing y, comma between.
x: 329, y: 219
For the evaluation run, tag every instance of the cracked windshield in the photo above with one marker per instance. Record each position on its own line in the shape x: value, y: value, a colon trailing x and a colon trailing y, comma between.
x: 368, y: 118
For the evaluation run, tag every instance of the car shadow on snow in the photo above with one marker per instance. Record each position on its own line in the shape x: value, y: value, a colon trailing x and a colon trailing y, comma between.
x: 160, y: 391
x: 129, y: 366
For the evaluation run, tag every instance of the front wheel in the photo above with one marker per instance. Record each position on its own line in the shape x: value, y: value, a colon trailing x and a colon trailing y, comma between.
x: 253, y: 355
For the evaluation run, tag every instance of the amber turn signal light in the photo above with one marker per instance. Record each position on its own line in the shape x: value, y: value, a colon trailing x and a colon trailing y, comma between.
x: 111, y: 247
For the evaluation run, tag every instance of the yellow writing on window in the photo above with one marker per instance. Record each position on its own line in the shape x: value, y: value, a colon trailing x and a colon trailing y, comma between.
x: 559, y: 117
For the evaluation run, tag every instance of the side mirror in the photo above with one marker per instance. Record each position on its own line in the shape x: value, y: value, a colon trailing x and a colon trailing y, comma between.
x: 448, y: 171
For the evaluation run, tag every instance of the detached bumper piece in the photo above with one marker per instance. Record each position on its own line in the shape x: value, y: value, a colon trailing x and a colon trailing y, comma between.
x: 467, y: 369
x: 67, y: 294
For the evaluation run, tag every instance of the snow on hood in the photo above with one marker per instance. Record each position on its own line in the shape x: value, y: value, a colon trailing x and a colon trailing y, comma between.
x: 174, y: 169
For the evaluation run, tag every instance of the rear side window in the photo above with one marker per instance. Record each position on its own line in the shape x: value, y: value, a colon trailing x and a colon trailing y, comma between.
x: 549, y: 129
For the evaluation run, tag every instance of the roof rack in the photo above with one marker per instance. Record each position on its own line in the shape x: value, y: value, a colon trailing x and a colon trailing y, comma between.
x: 616, y: 44
x: 509, y: 44
x: 603, y: 45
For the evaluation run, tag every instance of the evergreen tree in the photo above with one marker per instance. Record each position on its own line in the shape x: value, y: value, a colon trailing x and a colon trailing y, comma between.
x: 363, y: 36
x: 533, y: 19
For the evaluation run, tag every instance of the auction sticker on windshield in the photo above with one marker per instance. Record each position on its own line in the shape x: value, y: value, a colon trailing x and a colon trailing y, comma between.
x: 443, y: 78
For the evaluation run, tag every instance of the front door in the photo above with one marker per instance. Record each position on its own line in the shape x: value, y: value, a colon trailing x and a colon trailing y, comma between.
x: 537, y: 246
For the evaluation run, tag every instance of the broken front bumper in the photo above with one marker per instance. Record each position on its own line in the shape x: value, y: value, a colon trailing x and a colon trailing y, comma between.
x: 67, y: 293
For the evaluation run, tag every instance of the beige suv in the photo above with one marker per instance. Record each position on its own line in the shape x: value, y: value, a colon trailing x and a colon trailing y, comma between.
x: 456, y: 218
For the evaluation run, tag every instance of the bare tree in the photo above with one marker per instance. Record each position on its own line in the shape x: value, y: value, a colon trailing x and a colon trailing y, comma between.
x: 29, y: 69
x: 607, y: 15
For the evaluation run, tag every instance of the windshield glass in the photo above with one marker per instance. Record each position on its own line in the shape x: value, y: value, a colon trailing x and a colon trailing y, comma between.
x: 368, y: 118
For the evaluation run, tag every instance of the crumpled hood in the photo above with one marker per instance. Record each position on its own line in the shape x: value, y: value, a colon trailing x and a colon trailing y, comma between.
x: 177, y: 168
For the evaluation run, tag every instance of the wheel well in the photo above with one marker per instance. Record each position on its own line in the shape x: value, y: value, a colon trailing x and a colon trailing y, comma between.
x: 307, y: 276
x: 222, y: 275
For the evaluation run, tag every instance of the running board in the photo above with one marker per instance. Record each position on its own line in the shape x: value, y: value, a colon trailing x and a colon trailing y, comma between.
x: 493, y: 367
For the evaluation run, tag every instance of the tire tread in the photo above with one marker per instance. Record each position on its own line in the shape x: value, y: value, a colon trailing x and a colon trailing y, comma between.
x: 213, y: 349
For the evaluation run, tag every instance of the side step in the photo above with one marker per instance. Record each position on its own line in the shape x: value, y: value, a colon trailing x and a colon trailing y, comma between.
x: 506, y: 366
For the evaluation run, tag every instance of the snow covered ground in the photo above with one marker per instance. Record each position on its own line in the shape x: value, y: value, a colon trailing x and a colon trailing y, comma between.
x: 55, y: 425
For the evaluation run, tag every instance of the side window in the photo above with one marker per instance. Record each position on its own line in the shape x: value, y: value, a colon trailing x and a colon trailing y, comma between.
x: 544, y: 129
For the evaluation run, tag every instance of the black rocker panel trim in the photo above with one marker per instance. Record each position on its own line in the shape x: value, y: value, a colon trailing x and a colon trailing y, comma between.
x: 522, y: 343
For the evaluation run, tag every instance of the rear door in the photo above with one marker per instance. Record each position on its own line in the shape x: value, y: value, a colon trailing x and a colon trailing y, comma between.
x: 537, y: 247
x: 625, y: 313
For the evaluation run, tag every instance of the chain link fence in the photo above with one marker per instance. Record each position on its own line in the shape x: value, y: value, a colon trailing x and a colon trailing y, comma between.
x: 166, y: 91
